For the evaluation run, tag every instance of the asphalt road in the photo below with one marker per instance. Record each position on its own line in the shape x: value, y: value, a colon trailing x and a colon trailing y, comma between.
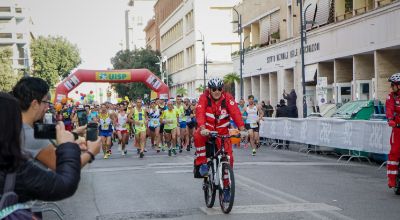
x: 275, y: 184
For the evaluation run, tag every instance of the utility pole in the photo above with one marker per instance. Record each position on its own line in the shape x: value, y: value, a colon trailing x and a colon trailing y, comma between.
x: 127, y: 29
x: 241, y: 52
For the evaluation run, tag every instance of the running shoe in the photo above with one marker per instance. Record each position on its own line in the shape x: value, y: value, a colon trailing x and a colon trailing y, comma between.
x: 138, y: 151
x: 254, y: 152
x: 169, y: 152
x: 123, y: 152
x: 119, y: 147
x: 174, y: 151
x: 106, y: 156
x: 227, y: 195
x: 188, y: 148
x: 258, y: 145
x: 141, y: 154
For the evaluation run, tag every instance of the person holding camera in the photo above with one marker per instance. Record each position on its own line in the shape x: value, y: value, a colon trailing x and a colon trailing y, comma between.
x: 33, y: 97
x: 31, y: 181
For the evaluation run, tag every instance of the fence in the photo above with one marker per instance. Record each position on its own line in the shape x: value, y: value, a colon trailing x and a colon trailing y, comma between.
x: 359, y: 135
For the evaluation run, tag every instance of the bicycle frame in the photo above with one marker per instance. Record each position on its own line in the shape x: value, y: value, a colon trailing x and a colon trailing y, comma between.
x: 219, y: 158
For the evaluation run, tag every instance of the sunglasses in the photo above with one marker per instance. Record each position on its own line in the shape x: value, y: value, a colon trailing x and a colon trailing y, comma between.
x: 46, y: 101
x: 215, y: 89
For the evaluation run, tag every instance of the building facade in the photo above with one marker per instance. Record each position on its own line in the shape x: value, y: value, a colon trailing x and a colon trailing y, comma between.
x: 136, y: 20
x: 15, y: 26
x: 192, y: 26
x: 150, y: 31
x: 352, y: 48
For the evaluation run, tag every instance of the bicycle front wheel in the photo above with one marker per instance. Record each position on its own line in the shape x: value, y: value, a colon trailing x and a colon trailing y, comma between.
x: 397, y: 187
x: 227, y: 193
x: 209, y: 188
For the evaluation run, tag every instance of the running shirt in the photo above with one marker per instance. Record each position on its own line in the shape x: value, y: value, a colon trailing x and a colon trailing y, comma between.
x: 171, y: 117
x: 188, y: 112
x: 181, y: 112
x: 252, y: 116
x: 92, y: 115
x: 139, y: 116
x: 105, y: 122
x: 122, y: 121
x: 154, y: 116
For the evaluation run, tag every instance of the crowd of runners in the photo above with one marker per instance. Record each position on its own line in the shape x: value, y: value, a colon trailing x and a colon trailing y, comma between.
x: 170, y: 124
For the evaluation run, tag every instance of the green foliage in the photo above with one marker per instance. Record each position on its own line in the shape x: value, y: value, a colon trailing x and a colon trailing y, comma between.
x: 181, y: 91
x: 200, y: 89
x: 136, y: 59
x: 53, y: 58
x: 7, y: 75
x: 229, y: 82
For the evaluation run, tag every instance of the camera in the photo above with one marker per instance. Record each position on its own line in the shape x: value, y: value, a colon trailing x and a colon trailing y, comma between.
x: 82, y: 117
x: 44, y: 131
x: 91, y: 132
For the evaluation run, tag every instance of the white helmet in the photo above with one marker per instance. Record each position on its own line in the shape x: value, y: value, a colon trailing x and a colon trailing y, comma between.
x: 395, y: 78
x: 215, y: 83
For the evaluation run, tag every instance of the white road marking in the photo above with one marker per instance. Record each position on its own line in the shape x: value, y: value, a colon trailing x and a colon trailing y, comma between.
x: 276, y: 208
x: 174, y: 171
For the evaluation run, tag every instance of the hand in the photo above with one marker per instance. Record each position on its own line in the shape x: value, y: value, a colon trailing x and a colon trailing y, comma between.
x: 80, y: 130
x: 205, y: 132
x: 82, y: 143
x: 392, y: 123
x: 94, y: 146
x: 62, y: 135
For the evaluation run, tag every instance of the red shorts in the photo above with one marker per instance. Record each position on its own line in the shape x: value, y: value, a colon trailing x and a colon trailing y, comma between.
x: 123, y: 131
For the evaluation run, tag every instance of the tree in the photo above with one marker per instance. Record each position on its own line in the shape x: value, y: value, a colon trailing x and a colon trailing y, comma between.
x: 7, y: 75
x: 181, y: 91
x: 200, y: 89
x: 136, y: 59
x: 53, y: 58
x: 229, y: 81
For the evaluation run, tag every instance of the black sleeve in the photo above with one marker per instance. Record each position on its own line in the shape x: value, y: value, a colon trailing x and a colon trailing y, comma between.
x: 47, y: 185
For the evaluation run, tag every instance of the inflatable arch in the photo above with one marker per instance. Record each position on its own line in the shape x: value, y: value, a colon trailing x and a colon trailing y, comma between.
x: 113, y: 76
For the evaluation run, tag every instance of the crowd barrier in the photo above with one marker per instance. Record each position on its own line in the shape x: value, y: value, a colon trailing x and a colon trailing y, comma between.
x: 358, y: 135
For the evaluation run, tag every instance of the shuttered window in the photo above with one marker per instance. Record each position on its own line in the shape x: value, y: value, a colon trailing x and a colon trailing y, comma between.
x: 323, y: 8
x: 265, y: 25
x: 275, y: 17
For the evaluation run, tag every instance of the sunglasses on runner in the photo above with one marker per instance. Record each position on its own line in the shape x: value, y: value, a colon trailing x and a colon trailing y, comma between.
x: 215, y: 89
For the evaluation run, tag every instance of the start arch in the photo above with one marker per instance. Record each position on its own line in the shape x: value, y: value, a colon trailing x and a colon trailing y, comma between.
x: 113, y: 76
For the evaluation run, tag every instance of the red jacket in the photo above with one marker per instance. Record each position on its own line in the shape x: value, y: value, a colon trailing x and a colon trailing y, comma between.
x: 216, y: 115
x: 393, y: 107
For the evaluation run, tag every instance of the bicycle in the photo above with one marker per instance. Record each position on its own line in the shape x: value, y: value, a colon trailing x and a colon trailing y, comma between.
x: 218, y: 162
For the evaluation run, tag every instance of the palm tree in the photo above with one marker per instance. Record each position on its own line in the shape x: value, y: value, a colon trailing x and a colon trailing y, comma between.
x: 181, y: 91
x: 229, y: 81
x: 200, y: 89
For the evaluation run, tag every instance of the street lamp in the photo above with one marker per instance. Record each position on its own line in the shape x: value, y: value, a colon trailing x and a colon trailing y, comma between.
x: 162, y: 60
x: 303, y: 38
x: 204, y: 60
x: 241, y: 59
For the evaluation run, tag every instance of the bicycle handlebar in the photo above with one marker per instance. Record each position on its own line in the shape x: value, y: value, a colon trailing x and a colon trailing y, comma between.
x: 215, y: 134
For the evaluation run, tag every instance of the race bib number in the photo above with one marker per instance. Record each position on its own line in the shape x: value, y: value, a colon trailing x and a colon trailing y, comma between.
x: 104, y: 126
x: 253, y: 125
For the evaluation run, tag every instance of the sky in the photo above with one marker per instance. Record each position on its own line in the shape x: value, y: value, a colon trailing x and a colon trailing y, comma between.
x: 95, y: 26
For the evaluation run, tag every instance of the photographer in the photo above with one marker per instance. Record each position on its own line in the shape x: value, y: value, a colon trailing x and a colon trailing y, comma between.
x: 34, y: 100
x: 32, y: 182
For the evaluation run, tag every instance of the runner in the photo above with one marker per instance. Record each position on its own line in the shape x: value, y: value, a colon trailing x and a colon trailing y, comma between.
x: 254, y: 114
x: 170, y: 120
x: 93, y: 115
x: 162, y: 107
x: 154, y: 125
x: 105, y: 131
x: 181, y: 132
x: 189, y: 125
x: 121, y: 128
x: 140, y: 120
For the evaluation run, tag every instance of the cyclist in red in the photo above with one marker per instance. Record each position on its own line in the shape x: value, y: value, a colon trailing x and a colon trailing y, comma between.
x: 393, y: 117
x: 213, y: 113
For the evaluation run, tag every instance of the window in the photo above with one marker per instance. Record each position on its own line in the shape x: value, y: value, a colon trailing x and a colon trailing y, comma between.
x: 190, y: 55
x: 173, y: 34
x: 5, y: 35
x: 5, y: 9
x: 18, y: 10
x: 175, y: 63
x: 189, y: 21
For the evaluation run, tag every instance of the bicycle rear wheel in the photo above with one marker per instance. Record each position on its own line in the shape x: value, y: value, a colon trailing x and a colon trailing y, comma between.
x: 209, y: 188
x: 227, y: 204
